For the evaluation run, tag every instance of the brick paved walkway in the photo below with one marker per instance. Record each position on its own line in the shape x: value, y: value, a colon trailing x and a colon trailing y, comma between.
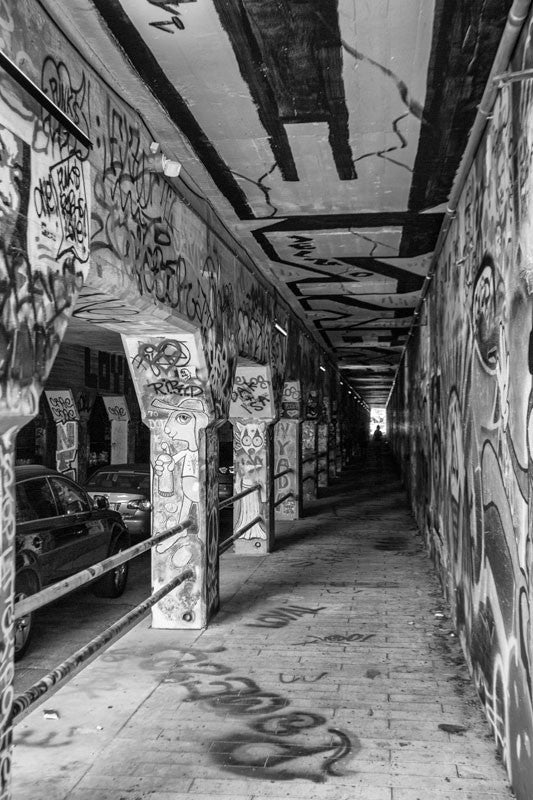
x: 331, y: 672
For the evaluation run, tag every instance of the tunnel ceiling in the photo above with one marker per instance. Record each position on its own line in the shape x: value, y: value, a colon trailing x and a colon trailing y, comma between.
x: 331, y: 131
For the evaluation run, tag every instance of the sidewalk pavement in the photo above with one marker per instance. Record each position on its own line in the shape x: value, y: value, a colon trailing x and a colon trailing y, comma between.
x: 331, y: 672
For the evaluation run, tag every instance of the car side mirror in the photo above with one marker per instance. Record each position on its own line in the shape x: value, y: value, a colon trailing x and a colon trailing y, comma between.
x: 101, y: 502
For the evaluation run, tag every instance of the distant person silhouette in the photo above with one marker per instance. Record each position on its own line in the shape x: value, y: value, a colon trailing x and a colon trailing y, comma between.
x: 377, y: 439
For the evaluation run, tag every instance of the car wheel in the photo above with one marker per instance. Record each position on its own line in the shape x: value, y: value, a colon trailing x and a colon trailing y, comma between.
x: 26, y: 584
x: 113, y: 583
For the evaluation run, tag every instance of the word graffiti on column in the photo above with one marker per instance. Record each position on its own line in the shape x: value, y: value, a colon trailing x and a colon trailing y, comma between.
x: 66, y: 417
x: 252, y: 394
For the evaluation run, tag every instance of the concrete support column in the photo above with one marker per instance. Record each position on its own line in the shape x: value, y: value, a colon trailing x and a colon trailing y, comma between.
x: 323, y: 454
x: 44, y: 253
x: 253, y: 462
x: 7, y: 592
x: 119, y: 417
x: 332, y: 450
x: 252, y: 414
x: 338, y: 448
x: 84, y: 403
x: 309, y: 460
x: 66, y: 417
x: 287, y: 450
x: 175, y: 400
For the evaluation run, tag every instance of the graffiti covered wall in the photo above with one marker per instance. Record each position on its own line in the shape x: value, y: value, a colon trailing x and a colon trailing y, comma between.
x: 462, y: 417
x: 44, y: 236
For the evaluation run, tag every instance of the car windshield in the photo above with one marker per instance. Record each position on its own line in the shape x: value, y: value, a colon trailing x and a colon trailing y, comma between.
x: 120, y: 481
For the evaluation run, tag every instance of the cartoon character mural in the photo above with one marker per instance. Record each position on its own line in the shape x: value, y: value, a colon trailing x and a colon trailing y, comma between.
x: 250, y: 448
x: 168, y: 373
x: 176, y: 466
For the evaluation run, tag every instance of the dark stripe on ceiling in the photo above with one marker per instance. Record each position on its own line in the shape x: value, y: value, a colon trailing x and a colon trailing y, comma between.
x: 289, y: 55
x: 349, y: 302
x: 147, y: 67
x: 407, y: 281
x: 465, y: 39
x: 328, y: 222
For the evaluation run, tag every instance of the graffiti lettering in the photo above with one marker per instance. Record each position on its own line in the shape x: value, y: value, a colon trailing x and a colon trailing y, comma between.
x: 170, y: 6
x: 162, y: 358
x: 337, y: 638
x: 117, y: 412
x: 73, y: 212
x: 57, y: 83
x: 280, y: 617
x: 62, y: 407
x: 261, y: 751
x: 164, y: 387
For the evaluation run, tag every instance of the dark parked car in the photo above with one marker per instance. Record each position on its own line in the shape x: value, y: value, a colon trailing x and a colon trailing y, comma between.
x: 60, y: 531
x: 127, y: 488
x: 225, y: 471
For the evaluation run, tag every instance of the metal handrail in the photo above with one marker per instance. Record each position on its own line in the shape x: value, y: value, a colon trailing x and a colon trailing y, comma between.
x: 68, y: 585
x: 322, y: 455
x: 282, y: 498
x: 231, y: 500
x: 284, y: 472
x: 226, y: 544
x: 309, y: 458
x: 28, y: 698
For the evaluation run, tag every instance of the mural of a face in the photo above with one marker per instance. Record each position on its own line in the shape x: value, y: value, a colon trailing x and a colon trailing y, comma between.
x: 252, y: 440
x: 182, y: 426
x: 484, y: 316
x: 10, y: 182
x: 455, y: 469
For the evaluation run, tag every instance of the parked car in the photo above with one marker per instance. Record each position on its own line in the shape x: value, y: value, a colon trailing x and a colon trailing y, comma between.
x: 127, y: 488
x: 60, y: 530
x: 225, y: 471
x: 225, y: 482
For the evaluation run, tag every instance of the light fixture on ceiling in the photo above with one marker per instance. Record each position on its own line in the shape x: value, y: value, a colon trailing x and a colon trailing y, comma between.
x: 279, y: 328
x: 158, y: 162
x: 323, y: 369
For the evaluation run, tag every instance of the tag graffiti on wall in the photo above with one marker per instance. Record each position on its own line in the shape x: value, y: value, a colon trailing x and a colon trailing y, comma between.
x: 62, y: 405
x: 66, y: 417
x: 291, y: 400
x: 44, y: 241
x: 252, y: 393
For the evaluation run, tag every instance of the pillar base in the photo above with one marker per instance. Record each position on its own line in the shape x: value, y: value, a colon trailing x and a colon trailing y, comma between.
x: 251, y: 547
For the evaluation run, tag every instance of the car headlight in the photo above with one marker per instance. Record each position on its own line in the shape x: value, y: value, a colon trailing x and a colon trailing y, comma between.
x: 140, y: 505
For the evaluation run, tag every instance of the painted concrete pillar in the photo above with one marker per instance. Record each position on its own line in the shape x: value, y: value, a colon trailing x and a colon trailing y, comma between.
x: 85, y: 400
x: 119, y: 417
x: 175, y: 400
x: 66, y: 418
x: 332, y: 450
x: 323, y: 454
x: 287, y: 450
x: 44, y: 252
x: 309, y: 460
x: 7, y: 592
x: 338, y: 448
x: 252, y: 414
x: 287, y: 453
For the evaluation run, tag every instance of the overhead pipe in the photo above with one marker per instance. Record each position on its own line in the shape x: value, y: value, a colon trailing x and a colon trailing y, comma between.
x: 516, y: 17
